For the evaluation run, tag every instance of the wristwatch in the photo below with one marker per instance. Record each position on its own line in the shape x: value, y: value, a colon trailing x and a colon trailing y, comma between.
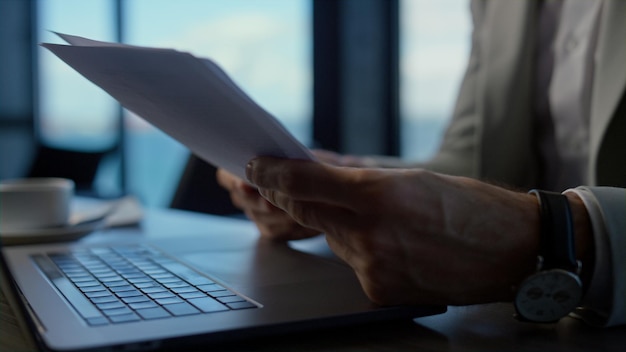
x: 555, y: 289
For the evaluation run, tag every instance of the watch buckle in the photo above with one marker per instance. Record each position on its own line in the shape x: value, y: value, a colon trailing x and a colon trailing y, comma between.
x: 539, y: 264
x: 579, y: 267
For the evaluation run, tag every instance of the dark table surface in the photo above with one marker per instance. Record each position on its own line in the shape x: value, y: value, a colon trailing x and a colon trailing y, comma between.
x: 488, y: 327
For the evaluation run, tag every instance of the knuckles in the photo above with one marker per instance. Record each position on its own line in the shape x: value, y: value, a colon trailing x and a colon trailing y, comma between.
x: 287, y: 182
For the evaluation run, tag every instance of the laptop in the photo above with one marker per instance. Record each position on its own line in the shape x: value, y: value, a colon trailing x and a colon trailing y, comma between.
x: 126, y: 289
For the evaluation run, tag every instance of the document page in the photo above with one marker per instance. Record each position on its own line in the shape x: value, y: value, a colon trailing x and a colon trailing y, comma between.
x: 191, y: 99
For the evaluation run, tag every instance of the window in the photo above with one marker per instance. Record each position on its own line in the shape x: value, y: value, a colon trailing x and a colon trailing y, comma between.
x: 73, y: 112
x: 434, y: 49
x: 265, y: 45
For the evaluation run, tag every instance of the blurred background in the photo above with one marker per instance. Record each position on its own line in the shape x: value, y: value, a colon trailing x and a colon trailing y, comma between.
x: 354, y: 76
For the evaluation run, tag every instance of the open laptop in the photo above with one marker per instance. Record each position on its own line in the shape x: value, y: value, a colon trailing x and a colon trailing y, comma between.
x: 131, y: 291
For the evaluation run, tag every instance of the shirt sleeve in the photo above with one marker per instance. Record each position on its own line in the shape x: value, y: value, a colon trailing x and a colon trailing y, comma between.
x: 605, y: 301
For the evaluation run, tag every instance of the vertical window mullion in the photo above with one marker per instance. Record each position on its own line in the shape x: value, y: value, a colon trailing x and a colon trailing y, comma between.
x: 121, y: 143
x: 356, y: 76
x: 326, y: 74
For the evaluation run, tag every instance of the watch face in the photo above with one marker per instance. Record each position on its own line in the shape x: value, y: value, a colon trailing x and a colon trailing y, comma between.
x: 548, y: 295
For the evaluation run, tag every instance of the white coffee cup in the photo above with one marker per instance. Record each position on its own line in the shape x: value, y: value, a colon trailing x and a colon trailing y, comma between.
x: 35, y: 203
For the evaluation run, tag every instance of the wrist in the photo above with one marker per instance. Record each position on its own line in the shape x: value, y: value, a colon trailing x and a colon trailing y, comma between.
x: 584, y: 242
x: 556, y: 289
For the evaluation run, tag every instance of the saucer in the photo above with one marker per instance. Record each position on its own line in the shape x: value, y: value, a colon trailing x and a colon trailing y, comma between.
x: 51, y: 234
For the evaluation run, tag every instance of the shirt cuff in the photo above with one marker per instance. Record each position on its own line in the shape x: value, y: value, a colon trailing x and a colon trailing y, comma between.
x: 596, y: 306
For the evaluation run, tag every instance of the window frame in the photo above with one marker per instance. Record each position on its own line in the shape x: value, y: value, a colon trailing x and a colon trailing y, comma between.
x: 17, y: 93
x: 356, y: 76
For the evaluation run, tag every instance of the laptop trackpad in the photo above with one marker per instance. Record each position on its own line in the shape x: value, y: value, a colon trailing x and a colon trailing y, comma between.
x: 266, y: 263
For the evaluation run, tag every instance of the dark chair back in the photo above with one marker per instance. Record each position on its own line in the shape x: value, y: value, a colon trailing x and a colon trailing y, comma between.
x: 199, y: 191
x: 79, y: 166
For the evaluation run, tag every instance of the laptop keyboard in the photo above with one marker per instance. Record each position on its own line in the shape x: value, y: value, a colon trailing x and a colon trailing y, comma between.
x: 125, y: 284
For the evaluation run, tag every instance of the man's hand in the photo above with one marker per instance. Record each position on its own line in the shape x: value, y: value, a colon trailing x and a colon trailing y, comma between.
x: 412, y: 236
x: 273, y: 223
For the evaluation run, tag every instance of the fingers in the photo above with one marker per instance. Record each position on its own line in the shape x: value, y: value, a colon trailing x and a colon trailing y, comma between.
x: 327, y: 218
x: 280, y: 230
x: 303, y: 180
x: 242, y: 194
x: 225, y: 179
x: 231, y: 182
x: 327, y: 157
x: 273, y: 223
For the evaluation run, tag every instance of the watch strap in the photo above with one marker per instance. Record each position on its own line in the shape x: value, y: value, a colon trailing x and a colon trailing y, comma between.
x: 557, y: 231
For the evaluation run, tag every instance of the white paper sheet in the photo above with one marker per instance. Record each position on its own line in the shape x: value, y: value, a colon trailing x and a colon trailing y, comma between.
x: 191, y: 99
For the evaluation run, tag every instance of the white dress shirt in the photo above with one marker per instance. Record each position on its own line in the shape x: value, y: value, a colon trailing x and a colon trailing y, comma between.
x: 567, y: 36
x: 568, y: 32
